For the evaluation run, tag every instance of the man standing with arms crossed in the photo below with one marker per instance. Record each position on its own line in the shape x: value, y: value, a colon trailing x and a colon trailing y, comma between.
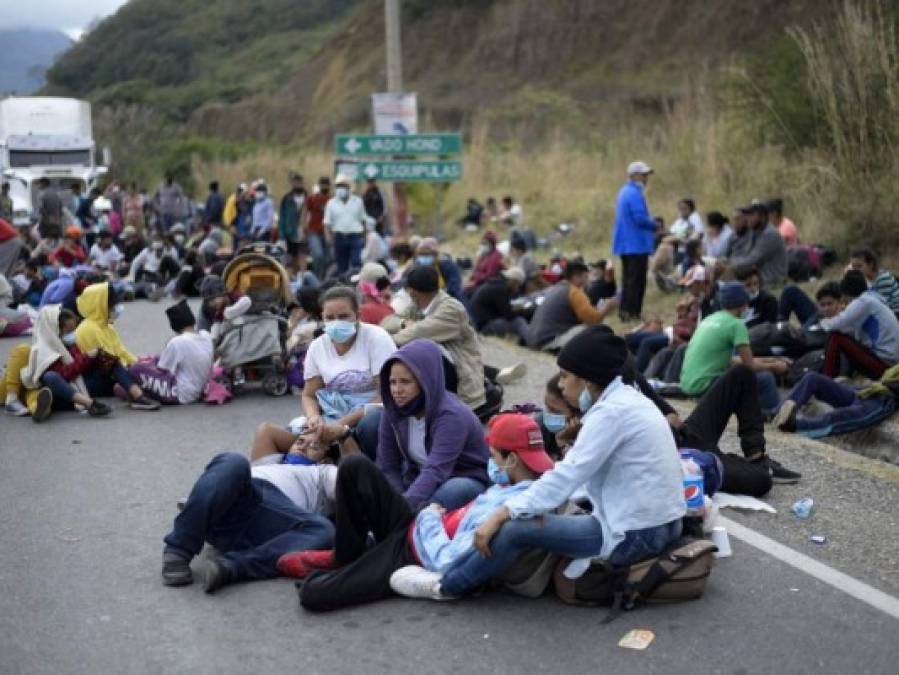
x: 633, y: 239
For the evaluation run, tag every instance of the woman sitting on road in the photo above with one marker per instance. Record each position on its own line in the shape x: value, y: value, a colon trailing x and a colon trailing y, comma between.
x: 431, y: 445
x: 98, y: 338
x: 52, y: 367
x: 341, y: 372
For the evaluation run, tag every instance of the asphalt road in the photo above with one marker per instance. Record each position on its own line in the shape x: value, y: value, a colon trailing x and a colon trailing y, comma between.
x: 84, y: 504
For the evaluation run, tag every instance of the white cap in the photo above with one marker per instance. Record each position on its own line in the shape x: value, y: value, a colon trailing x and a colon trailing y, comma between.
x: 638, y: 168
x: 514, y: 274
x: 341, y: 180
x: 370, y: 271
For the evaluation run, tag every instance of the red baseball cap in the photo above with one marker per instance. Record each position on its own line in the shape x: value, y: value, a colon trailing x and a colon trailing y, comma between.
x: 518, y: 433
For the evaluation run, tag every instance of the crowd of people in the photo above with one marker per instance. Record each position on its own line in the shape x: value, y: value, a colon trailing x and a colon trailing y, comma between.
x: 403, y: 474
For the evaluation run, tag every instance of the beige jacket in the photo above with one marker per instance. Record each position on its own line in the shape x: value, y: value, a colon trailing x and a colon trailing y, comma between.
x: 447, y: 324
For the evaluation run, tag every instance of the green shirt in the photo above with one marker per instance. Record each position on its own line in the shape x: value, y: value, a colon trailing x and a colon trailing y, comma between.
x: 710, y: 351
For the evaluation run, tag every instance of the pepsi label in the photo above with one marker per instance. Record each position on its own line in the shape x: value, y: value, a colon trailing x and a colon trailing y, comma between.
x: 693, y: 492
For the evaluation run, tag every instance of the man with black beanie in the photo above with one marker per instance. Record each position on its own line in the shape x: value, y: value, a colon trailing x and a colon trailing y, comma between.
x: 181, y: 372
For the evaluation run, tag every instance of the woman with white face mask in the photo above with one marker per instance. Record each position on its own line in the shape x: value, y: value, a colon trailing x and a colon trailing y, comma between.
x: 342, y: 371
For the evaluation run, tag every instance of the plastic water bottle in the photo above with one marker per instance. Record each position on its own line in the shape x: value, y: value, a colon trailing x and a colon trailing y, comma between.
x: 803, y: 508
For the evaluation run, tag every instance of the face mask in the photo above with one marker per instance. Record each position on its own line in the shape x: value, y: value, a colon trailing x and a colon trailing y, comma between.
x: 425, y: 260
x: 260, y: 196
x: 340, y: 331
x: 585, y: 401
x: 179, y: 239
x: 497, y: 475
x: 553, y: 422
x: 68, y: 339
x: 483, y: 249
x: 118, y: 310
x: 753, y: 296
x: 343, y: 193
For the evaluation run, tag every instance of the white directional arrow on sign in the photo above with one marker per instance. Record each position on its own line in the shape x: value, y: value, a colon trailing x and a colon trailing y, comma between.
x: 352, y: 146
x: 370, y: 170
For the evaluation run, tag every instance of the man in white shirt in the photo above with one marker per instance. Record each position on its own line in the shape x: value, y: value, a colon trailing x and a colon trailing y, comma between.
x: 345, y: 222
x: 104, y: 254
x: 252, y: 516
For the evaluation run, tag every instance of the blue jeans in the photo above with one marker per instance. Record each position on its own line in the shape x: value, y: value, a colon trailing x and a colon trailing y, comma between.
x: 500, y: 326
x: 794, y: 300
x: 249, y: 520
x: 100, y: 382
x: 769, y: 396
x: 457, y: 492
x: 62, y: 391
x: 644, y: 346
x: 348, y: 251
x: 847, y: 406
x: 366, y: 433
x: 574, y: 536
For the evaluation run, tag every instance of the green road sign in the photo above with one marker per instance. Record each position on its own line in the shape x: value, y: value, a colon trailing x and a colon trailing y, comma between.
x: 411, y: 172
x: 358, y: 145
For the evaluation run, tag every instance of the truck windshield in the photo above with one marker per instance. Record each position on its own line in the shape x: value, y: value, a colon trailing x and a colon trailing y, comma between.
x: 25, y: 158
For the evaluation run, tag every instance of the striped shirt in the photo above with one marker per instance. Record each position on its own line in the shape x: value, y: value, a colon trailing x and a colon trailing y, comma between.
x: 887, y: 287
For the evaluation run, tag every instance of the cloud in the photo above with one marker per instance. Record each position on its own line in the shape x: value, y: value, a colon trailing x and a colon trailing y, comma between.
x: 65, y: 15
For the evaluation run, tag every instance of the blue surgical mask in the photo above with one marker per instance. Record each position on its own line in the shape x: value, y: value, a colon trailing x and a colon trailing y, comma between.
x: 425, y: 260
x: 585, y: 401
x: 68, y: 339
x: 554, y: 422
x: 497, y: 475
x: 340, y: 331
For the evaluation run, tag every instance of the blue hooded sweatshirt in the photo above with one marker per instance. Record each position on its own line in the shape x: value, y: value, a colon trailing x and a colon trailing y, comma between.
x: 454, y: 437
x: 634, y: 231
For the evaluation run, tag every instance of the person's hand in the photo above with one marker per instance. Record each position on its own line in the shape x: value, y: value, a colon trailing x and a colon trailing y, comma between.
x: 779, y: 367
x: 331, y: 432
x: 674, y: 420
x: 437, y: 507
x: 314, y: 424
x: 485, y: 533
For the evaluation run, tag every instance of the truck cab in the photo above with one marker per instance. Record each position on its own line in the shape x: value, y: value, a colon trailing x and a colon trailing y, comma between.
x: 46, y: 137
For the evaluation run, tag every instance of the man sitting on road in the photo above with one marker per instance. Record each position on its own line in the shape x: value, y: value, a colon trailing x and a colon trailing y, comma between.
x: 252, y: 516
x: 566, y: 309
x: 491, y: 305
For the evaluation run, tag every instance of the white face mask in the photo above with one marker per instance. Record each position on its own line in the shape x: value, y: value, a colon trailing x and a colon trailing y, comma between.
x: 343, y: 193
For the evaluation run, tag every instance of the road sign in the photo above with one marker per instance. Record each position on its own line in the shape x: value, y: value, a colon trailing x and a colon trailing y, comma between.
x: 410, y: 172
x: 357, y: 145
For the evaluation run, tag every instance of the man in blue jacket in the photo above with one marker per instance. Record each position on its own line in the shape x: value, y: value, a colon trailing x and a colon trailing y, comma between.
x: 633, y: 239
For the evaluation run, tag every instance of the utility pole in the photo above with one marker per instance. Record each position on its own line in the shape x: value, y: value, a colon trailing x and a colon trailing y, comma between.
x: 394, y: 46
x: 393, y: 41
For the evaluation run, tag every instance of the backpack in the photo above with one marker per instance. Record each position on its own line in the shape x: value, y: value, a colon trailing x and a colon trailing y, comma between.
x: 764, y: 336
x: 678, y: 574
x: 531, y: 573
x: 811, y: 362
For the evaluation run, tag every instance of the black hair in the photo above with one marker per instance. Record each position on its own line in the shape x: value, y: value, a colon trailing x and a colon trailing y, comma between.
x: 214, y: 186
x: 401, y: 250
x: 111, y: 296
x: 423, y: 279
x: 745, y: 274
x: 693, y: 249
x: 308, y: 300
x: 340, y: 293
x: 32, y: 265
x: 853, y: 284
x: 518, y: 242
x: 66, y: 315
x: 716, y: 218
x: 574, y: 268
x: 689, y: 202
x: 760, y: 207
x: 508, y: 199
x: 865, y: 254
x: 776, y: 204
x: 831, y: 289
x: 105, y: 234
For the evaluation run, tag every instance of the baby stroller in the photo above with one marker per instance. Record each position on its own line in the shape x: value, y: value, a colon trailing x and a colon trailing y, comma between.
x: 251, y: 346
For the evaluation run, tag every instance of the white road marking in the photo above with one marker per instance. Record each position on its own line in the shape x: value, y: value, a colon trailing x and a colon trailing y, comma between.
x: 842, y: 582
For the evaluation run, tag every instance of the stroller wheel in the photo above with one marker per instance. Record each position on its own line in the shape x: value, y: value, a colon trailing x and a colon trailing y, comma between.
x: 275, y: 385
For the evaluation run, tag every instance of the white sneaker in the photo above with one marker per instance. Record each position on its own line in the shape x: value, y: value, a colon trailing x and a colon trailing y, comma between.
x: 16, y: 409
x: 512, y: 373
x: 413, y: 581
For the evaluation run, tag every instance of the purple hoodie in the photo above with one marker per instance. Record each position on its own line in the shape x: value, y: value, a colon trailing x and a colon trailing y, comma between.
x: 454, y: 437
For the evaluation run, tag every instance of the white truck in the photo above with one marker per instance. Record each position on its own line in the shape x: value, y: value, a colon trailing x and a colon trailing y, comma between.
x: 46, y: 137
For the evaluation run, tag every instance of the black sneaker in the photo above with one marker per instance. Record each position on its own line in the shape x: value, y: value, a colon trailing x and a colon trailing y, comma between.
x: 217, y: 575
x: 175, y: 568
x: 44, y: 405
x: 144, y: 403
x: 785, y: 419
x: 99, y: 409
x: 782, y: 475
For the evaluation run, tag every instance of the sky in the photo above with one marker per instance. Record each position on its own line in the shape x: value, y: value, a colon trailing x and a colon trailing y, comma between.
x: 69, y: 16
